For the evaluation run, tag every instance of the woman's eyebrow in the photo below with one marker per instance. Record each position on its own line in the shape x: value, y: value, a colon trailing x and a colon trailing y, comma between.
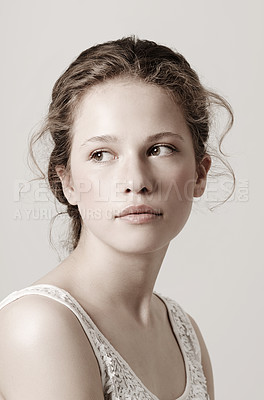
x: 161, y: 135
x: 101, y: 138
x: 114, y: 139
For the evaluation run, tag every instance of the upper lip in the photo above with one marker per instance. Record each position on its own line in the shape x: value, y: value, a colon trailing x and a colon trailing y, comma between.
x: 141, y: 209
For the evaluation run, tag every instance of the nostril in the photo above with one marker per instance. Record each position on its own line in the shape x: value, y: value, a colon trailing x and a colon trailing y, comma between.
x: 140, y: 189
x: 143, y: 190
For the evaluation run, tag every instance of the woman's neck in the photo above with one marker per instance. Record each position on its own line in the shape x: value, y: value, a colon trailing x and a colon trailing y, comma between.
x: 114, y: 280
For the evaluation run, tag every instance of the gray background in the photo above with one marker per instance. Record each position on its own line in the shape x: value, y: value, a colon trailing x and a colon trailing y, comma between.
x: 214, y: 268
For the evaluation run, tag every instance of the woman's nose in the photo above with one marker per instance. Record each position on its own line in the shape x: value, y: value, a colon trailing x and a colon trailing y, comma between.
x: 138, y: 179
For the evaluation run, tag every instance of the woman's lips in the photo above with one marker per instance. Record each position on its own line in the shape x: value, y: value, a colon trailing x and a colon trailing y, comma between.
x: 139, y: 214
x: 139, y: 218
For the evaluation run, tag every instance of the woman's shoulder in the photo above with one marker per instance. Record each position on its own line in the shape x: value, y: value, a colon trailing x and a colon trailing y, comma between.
x: 39, y: 335
x: 35, y: 319
x: 18, y: 308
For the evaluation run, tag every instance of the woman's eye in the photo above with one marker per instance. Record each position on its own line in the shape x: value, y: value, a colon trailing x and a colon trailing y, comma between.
x: 102, y: 156
x: 162, y: 150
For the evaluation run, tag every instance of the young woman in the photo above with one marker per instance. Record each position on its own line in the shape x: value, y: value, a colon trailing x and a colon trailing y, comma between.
x: 130, y: 123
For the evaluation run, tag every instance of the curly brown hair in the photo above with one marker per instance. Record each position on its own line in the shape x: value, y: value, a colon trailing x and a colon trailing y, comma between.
x: 127, y: 57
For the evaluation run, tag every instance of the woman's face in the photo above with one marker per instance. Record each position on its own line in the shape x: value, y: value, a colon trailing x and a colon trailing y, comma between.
x: 132, y: 147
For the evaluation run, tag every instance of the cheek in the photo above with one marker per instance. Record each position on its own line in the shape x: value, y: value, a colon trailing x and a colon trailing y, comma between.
x: 87, y: 185
x: 93, y: 198
x: 179, y: 184
x: 178, y: 199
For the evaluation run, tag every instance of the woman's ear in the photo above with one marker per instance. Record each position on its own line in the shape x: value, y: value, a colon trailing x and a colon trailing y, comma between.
x: 67, y: 185
x: 201, y: 175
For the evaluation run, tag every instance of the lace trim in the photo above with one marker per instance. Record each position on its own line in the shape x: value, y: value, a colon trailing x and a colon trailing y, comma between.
x: 118, y: 380
x: 198, y: 387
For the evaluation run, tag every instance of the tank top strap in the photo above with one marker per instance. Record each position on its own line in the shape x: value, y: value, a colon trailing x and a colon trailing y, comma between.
x: 189, y: 343
x: 182, y: 326
x: 63, y: 297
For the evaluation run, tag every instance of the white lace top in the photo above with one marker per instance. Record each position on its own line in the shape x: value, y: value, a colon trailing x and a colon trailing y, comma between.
x: 118, y: 380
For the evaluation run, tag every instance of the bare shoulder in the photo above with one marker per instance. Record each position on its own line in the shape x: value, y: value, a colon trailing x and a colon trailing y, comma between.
x: 44, y: 353
x: 206, y: 363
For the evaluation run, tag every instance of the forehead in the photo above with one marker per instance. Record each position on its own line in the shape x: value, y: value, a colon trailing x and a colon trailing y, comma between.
x: 124, y: 107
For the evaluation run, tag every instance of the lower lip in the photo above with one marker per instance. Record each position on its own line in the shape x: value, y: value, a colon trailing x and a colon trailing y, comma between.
x: 139, y: 218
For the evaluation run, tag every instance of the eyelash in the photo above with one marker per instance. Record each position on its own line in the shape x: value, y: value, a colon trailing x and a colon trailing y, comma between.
x: 91, y: 157
x: 174, y: 149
